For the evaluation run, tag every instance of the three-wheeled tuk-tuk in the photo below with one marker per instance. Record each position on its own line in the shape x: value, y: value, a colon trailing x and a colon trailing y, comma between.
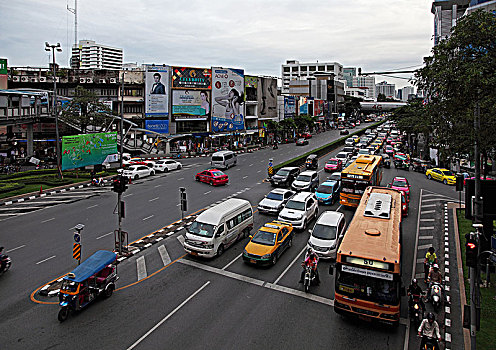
x: 401, y: 161
x: 420, y: 165
x: 95, y: 277
x: 312, y: 162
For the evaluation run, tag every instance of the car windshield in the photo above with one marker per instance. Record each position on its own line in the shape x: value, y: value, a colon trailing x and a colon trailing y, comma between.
x: 324, y: 232
x: 335, y: 176
x: 363, y: 151
x: 333, y: 162
x: 326, y: 189
x: 399, y: 183
x: 274, y: 196
x: 304, y: 178
x: 264, y: 237
x: 201, y: 229
x: 217, y: 173
x: 341, y: 155
x: 301, y: 140
x: 295, y: 205
x: 448, y: 173
x: 282, y: 172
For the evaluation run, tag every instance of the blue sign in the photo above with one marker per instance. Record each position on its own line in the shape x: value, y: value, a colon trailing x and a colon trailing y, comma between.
x: 77, y: 237
x: 304, y: 109
x: 160, y: 126
x: 289, y: 106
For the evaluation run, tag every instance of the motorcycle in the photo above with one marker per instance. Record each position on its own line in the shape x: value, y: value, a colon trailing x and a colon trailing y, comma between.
x: 275, y: 146
x: 309, y: 277
x: 6, y: 263
x: 427, y: 267
x: 97, y: 182
x: 436, y: 294
x: 430, y: 343
x: 416, y: 311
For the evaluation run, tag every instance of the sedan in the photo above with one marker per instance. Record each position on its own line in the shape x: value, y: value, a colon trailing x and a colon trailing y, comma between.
x: 301, y: 142
x: 344, y: 132
x: 306, y: 135
x: 328, y: 192
x: 213, y: 177
x: 401, y: 184
x: 167, y: 165
x: 444, y: 175
x: 333, y: 164
x: 138, y: 171
x: 274, y: 201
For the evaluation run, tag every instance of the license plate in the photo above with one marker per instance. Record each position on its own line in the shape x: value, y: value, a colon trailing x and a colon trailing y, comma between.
x: 194, y: 253
x: 364, y: 318
x: 346, y: 289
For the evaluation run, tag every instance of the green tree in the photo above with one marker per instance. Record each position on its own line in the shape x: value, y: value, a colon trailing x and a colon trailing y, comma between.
x: 86, y: 110
x: 352, y: 106
x: 458, y: 77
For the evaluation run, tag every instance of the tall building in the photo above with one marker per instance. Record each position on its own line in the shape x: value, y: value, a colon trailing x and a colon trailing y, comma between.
x: 405, y: 92
x: 294, y: 70
x: 348, y: 74
x: 386, y: 89
x: 486, y: 5
x: 446, y: 13
x: 90, y: 55
x: 366, y: 82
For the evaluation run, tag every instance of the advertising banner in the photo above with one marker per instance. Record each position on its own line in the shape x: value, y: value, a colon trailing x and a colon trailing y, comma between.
x: 318, y: 108
x: 267, y: 98
x: 160, y: 126
x: 88, y: 149
x: 3, y: 66
x: 191, y: 78
x: 157, y: 91
x: 251, y: 81
x: 227, y: 99
x: 191, y: 104
x: 289, y: 107
x: 303, y: 105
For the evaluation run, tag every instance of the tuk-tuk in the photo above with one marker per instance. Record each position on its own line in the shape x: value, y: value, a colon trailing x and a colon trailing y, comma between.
x: 312, y: 162
x: 401, y: 161
x: 95, y: 277
x: 386, y: 161
x: 420, y: 165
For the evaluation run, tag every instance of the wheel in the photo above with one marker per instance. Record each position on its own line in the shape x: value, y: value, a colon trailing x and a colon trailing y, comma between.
x: 152, y: 172
x: 220, y: 250
x: 429, y: 176
x: 274, y: 259
x: 63, y: 314
x: 306, y: 285
x: 445, y: 182
x: 290, y: 243
x: 197, y: 178
x: 166, y: 170
x: 136, y: 177
x: 108, y: 291
x: 211, y: 183
x: 179, y: 166
x: 247, y: 233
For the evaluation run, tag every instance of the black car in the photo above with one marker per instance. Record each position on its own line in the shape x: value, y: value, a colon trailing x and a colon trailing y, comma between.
x: 285, y: 176
x: 344, y: 132
x: 301, y: 142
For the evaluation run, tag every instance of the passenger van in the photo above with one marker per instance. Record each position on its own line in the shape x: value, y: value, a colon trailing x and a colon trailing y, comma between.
x: 223, y: 159
x: 219, y: 227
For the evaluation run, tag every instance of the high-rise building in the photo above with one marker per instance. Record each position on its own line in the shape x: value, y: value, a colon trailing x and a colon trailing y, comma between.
x: 386, y: 89
x: 405, y: 92
x: 446, y: 13
x: 348, y: 74
x: 366, y: 82
x: 90, y: 55
x: 294, y: 70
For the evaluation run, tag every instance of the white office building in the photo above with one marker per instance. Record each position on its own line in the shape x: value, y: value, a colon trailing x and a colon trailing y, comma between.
x: 294, y: 70
x: 90, y: 55
x: 405, y: 92
x: 388, y: 90
x: 446, y: 13
x: 365, y: 82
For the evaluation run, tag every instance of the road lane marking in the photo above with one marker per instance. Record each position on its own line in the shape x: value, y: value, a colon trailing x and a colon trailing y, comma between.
x: 251, y: 164
x: 181, y: 239
x: 47, y: 220
x: 429, y: 211
x: 105, y: 235
x: 207, y: 192
x: 289, y: 266
x: 128, y: 195
x: 426, y: 228
x: 153, y: 199
x: 96, y: 205
x: 157, y: 186
x: 181, y: 178
x: 148, y: 217
x: 259, y: 171
x: 244, y: 177
x: 427, y: 220
x: 426, y: 237
x: 42, y: 261
x: 232, y: 261
x: 168, y: 316
x: 11, y: 250
x: 164, y: 255
x: 141, y: 267
x: 177, y: 205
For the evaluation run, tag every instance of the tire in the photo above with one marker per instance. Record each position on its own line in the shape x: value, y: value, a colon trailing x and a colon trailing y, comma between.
x: 429, y: 176
x: 306, y: 285
x: 220, y: 250
x: 247, y: 233
x: 197, y: 178
x: 63, y: 314
x: 290, y: 243
x: 152, y: 173
x: 211, y: 183
x: 274, y: 259
x: 109, y: 291
x: 179, y: 166
x: 136, y: 177
x: 166, y: 170
x: 445, y: 182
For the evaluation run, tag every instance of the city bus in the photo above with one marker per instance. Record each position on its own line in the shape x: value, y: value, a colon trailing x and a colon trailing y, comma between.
x: 368, y: 261
x: 363, y: 172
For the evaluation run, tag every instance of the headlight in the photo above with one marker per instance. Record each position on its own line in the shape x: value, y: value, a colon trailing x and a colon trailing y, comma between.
x: 266, y: 256
x: 333, y: 246
x: 245, y: 252
x: 299, y: 217
x: 208, y: 246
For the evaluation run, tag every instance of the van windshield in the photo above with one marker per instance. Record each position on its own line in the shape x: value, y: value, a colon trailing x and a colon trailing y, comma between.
x: 295, y: 205
x: 217, y: 159
x: 201, y: 229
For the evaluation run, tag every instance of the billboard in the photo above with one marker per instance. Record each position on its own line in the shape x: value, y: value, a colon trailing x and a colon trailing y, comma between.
x: 251, y: 81
x: 267, y: 97
x: 87, y: 149
x: 191, y: 104
x: 3, y: 73
x: 160, y: 126
x: 227, y: 99
x: 318, y: 108
x: 303, y: 105
x: 289, y: 107
x: 191, y: 78
x: 157, y: 91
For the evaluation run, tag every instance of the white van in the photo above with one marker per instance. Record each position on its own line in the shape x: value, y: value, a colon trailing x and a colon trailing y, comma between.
x: 223, y: 159
x: 217, y: 228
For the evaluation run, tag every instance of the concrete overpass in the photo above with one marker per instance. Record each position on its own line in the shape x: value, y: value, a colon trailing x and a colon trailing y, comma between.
x: 381, y: 106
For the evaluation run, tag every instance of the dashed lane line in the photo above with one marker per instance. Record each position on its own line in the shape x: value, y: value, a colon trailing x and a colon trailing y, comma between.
x: 127, y: 195
x: 92, y: 206
x: 47, y: 220
x: 153, y: 199
x: 425, y: 246
x: 42, y: 261
x: 426, y: 237
x: 430, y: 206
x: 428, y: 211
x: 105, y: 235
x: 148, y: 217
x: 11, y: 250
x: 426, y: 228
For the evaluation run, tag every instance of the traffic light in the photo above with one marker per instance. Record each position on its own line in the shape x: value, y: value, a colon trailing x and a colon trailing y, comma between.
x: 459, y: 182
x: 471, y: 250
x: 119, y: 184
x: 184, y: 201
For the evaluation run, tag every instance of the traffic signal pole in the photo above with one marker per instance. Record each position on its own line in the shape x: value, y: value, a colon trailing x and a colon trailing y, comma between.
x: 119, y: 213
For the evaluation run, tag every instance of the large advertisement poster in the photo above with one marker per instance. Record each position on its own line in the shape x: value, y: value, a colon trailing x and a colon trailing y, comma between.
x: 88, y: 149
x: 318, y: 108
x: 289, y: 107
x: 191, y: 78
x: 191, y: 104
x: 267, y: 98
x: 227, y: 99
x: 160, y: 126
x: 157, y: 91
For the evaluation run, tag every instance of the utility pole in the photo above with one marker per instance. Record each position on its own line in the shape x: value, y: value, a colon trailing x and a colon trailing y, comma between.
x: 52, y: 48
x: 119, y: 194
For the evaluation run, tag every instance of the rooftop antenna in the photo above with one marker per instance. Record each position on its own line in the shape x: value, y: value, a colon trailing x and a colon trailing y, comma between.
x: 74, y: 11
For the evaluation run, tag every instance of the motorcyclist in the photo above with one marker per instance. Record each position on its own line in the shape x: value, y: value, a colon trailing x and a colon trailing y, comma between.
x: 429, y: 329
x: 430, y: 259
x: 414, y: 289
x: 2, y: 262
x: 311, y: 259
x: 435, y: 276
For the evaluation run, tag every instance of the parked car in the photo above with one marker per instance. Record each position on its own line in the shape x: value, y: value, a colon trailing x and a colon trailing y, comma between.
x: 333, y: 164
x: 328, y: 192
x: 344, y: 132
x: 213, y: 177
x: 306, y: 181
x: 166, y: 165
x: 444, y: 175
x: 301, y: 142
x: 299, y: 210
x: 136, y: 172
x: 268, y: 244
x: 327, y: 234
x: 274, y: 201
x: 285, y: 176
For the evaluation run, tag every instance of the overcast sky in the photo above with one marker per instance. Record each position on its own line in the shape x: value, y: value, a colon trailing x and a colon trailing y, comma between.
x: 255, y: 35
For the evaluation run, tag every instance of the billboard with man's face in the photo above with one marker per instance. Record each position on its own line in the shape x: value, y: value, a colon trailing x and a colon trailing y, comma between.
x: 157, y: 91
x: 227, y: 99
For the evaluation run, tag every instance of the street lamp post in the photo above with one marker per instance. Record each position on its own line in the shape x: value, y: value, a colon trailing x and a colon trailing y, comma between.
x: 52, y: 48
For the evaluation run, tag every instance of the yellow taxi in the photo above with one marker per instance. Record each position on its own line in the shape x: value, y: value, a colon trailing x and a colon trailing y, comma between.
x: 444, y: 175
x: 356, y: 138
x: 268, y: 244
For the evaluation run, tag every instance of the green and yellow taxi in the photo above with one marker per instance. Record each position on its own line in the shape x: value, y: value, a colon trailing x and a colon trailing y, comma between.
x: 444, y: 175
x: 268, y: 244
x: 356, y: 138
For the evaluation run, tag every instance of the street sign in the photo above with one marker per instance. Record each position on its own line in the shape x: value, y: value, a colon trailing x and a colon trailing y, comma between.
x: 77, y: 237
x: 76, y: 251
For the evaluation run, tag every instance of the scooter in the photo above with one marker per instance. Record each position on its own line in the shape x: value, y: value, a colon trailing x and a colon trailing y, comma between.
x: 309, y: 278
x: 436, y: 295
x: 430, y: 343
x: 6, y: 263
x: 275, y: 146
x: 97, y: 181
x: 416, y: 310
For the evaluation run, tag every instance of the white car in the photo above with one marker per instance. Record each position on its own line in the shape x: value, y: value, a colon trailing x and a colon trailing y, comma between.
x: 138, y: 171
x: 166, y: 165
x: 327, y: 234
x: 274, y: 201
x: 299, y: 210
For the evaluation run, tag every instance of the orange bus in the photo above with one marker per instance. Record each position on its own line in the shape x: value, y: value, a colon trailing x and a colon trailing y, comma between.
x: 363, y: 172
x: 368, y: 262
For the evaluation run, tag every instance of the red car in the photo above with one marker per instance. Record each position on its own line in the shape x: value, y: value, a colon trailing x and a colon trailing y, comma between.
x: 333, y: 164
x: 306, y: 135
x: 404, y: 205
x: 473, y: 177
x: 213, y: 177
x: 401, y: 184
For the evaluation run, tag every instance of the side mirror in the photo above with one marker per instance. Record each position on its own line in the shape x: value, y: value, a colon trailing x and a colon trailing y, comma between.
x: 310, y: 230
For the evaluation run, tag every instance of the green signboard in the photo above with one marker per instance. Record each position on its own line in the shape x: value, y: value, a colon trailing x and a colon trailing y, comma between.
x: 88, y: 149
x: 3, y: 66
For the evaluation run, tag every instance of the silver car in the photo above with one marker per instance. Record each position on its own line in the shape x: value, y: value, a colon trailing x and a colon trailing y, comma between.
x: 274, y: 201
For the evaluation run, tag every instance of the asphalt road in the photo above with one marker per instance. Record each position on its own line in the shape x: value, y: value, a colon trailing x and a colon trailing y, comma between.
x: 192, y: 303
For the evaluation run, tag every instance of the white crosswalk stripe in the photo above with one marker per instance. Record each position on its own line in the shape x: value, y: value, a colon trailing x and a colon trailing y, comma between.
x: 164, y: 255
x: 141, y: 267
